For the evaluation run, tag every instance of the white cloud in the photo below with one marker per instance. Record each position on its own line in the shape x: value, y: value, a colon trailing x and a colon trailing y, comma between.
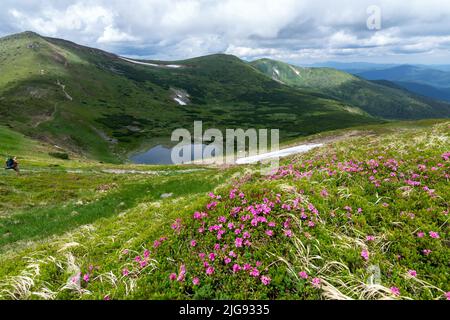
x: 308, y: 29
x: 111, y: 34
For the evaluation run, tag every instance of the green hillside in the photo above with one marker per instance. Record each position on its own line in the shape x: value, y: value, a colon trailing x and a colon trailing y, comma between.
x: 95, y: 103
x: 374, y: 98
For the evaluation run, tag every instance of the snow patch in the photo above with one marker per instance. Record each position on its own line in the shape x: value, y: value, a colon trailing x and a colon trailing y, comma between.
x: 280, y: 153
x: 180, y: 102
x: 180, y: 96
x: 295, y: 70
x: 276, y: 71
x: 173, y: 66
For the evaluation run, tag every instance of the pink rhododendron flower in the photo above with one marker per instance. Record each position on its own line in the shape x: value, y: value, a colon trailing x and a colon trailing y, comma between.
x: 426, y: 251
x: 182, y: 274
x: 212, y: 256
x: 238, y: 242
x: 269, y: 233
x: 446, y: 156
x: 420, y: 234
x: 196, y: 281
x: 209, y: 270
x: 173, y: 276
x: 370, y: 238
x: 265, y: 280
x: 232, y: 254
x: 365, y: 254
x: 254, y: 272
x: 395, y: 291
x: 288, y: 233
x: 227, y: 260
x: 176, y: 226
x: 236, y: 268
x: 86, y: 277
x: 211, y: 205
x: 107, y: 298
x: 303, y: 275
x: 316, y: 282
x: 197, y: 216
x: 156, y: 244
x: 125, y: 272
x: 193, y: 243
x: 447, y: 295
x: 434, y: 235
x: 412, y: 273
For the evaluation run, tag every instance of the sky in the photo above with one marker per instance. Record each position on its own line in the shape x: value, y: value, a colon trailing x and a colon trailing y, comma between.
x: 296, y: 31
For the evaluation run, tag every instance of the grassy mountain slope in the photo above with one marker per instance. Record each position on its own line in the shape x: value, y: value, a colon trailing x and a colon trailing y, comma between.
x: 357, y: 216
x: 376, y: 99
x: 95, y: 103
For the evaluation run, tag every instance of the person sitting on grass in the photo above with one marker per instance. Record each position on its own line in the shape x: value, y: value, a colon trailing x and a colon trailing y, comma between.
x: 12, y: 164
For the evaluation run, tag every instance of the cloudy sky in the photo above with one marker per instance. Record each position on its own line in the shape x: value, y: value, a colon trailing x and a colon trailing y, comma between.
x: 298, y: 31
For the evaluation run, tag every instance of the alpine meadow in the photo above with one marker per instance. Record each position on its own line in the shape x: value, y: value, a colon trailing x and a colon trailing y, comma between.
x: 93, y: 208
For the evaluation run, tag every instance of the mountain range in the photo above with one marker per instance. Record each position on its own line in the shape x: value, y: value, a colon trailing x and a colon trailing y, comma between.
x: 381, y: 99
x: 105, y: 106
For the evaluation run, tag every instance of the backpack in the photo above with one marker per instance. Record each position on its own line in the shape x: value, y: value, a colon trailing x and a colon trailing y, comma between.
x: 10, y: 163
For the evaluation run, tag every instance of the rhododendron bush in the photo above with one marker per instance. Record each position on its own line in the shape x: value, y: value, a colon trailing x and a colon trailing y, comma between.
x: 316, y: 226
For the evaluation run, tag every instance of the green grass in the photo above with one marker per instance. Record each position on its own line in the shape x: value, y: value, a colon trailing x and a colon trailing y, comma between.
x: 49, y: 245
x: 40, y: 221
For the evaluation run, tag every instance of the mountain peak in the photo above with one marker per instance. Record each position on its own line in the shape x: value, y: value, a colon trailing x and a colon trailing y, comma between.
x: 23, y: 35
x: 30, y: 34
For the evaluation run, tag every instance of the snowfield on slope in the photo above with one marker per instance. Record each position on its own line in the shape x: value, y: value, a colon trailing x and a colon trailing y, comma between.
x: 280, y: 153
x: 151, y: 64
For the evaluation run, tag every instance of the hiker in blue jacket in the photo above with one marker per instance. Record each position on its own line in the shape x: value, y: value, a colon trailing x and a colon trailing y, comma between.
x: 12, y: 164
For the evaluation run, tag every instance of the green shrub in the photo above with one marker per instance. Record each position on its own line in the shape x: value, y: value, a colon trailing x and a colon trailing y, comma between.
x: 59, y: 155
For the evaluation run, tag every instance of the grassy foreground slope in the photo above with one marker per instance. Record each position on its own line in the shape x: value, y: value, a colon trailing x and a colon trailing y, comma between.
x: 361, y: 218
x: 376, y: 98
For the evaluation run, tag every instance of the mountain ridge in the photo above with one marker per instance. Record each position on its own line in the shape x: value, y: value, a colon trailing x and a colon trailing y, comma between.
x: 375, y: 98
x: 94, y: 103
